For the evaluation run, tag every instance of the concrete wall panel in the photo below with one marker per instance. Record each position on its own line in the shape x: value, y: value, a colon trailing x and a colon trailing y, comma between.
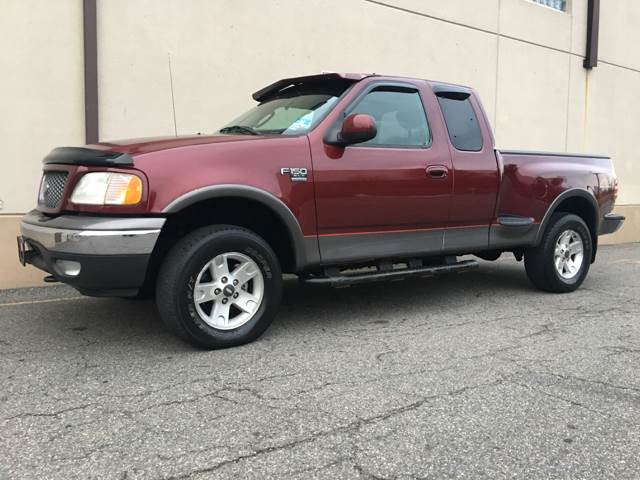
x: 532, y: 97
x: 221, y: 52
x: 133, y: 69
x: 619, y: 32
x: 629, y: 231
x: 469, y: 12
x: 613, y: 110
x: 12, y: 274
x: 577, y: 106
x: 41, y: 91
x: 535, y: 23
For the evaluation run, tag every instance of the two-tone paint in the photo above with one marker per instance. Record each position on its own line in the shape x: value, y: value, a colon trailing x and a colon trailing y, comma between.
x: 364, y: 202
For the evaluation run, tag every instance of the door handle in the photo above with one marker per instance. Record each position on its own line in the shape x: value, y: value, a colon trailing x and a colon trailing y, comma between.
x: 437, y: 171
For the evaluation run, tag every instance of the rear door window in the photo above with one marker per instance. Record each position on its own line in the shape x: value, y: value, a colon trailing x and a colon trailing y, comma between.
x: 462, y: 123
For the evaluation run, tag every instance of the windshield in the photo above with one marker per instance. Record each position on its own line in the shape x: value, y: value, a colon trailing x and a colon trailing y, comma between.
x: 293, y: 111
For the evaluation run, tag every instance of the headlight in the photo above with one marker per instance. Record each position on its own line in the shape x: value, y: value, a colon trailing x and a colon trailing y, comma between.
x: 104, y: 188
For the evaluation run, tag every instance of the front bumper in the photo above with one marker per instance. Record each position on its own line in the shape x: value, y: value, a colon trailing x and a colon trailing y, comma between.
x: 106, y: 256
x: 611, y: 223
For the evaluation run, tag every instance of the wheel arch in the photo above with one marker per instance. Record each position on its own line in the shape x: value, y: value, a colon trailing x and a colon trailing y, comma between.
x: 577, y: 201
x: 300, y: 249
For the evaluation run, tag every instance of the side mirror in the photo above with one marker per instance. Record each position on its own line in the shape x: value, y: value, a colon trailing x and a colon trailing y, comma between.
x: 357, y: 128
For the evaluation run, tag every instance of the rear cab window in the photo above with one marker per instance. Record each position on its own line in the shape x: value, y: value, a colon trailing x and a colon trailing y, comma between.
x: 461, y: 120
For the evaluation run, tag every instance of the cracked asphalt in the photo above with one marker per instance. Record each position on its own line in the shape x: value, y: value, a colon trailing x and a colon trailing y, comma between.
x: 465, y: 376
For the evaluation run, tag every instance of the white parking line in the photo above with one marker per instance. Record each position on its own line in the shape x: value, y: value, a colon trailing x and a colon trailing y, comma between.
x: 626, y: 260
x: 49, y: 300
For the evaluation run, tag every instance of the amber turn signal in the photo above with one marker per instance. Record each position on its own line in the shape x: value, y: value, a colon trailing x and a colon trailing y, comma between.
x: 123, y: 190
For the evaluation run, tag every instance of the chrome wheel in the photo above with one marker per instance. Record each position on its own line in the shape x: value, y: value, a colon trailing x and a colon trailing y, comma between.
x: 228, y: 291
x: 569, y: 254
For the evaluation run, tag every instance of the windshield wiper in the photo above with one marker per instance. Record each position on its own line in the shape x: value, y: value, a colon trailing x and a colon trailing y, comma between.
x: 239, y: 129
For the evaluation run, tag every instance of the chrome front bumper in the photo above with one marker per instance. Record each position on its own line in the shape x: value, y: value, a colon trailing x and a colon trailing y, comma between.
x: 106, y: 256
x: 85, y: 235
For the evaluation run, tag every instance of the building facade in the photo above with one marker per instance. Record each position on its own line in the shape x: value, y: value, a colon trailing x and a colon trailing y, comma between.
x: 188, y: 66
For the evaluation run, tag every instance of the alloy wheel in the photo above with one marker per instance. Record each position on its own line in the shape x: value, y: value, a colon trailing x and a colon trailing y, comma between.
x: 569, y: 254
x: 228, y: 291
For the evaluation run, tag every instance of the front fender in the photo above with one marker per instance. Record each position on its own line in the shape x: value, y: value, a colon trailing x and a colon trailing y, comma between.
x: 305, y: 249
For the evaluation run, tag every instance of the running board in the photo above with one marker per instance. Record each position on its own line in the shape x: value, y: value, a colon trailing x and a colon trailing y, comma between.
x: 347, y: 280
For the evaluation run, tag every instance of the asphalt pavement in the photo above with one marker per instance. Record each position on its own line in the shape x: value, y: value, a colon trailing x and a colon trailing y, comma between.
x: 468, y: 376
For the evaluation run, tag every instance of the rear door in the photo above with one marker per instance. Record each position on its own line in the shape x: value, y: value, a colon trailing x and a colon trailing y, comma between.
x: 475, y: 170
x: 388, y: 197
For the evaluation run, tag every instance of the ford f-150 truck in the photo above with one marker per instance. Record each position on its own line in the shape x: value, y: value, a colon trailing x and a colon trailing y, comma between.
x: 338, y: 178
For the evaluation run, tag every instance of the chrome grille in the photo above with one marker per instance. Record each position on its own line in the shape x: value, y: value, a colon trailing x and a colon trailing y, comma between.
x: 52, y: 189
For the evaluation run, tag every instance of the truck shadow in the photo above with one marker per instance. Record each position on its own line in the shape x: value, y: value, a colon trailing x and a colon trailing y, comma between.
x: 94, y: 323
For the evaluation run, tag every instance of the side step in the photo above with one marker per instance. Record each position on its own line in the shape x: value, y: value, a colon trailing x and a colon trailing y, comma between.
x: 345, y: 280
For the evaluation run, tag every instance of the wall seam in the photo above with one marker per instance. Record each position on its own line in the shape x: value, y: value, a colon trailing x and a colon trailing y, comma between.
x: 495, y: 97
x: 566, y: 128
x: 611, y: 64
x: 585, y: 118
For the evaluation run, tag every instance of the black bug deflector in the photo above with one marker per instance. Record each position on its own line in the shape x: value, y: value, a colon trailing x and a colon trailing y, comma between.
x: 88, y: 156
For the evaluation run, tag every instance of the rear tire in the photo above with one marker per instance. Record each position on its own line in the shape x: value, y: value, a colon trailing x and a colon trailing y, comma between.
x: 204, y: 297
x: 561, y: 261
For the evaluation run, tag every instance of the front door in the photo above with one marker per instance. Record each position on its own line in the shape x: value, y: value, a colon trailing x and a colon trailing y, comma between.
x: 390, y: 196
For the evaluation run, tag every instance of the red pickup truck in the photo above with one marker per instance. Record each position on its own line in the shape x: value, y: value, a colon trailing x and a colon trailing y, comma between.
x: 340, y: 179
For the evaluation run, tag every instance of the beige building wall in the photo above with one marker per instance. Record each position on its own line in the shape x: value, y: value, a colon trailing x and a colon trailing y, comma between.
x: 187, y: 66
x: 203, y: 59
x: 42, y: 95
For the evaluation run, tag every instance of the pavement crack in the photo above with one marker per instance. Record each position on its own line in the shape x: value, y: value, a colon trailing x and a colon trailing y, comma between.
x: 316, y: 469
x: 84, y: 455
x: 545, y: 329
x: 596, y: 382
x: 620, y: 350
x: 164, y: 388
x: 558, y: 397
x: 362, y: 472
x: 51, y: 414
x: 355, y: 425
x: 381, y: 355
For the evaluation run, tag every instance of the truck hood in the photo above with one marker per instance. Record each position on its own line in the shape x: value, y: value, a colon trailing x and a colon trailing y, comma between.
x: 121, y: 153
x: 139, y: 146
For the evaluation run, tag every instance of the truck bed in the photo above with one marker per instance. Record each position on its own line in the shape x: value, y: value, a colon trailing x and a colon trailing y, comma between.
x: 532, y: 180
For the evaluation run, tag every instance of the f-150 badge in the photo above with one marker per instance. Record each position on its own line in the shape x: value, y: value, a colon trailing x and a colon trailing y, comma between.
x: 296, y: 174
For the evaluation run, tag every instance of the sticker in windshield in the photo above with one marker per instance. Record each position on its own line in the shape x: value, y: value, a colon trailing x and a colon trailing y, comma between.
x: 303, y: 123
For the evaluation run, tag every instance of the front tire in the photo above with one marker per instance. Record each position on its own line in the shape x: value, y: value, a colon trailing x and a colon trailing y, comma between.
x: 561, y: 262
x: 219, y: 287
